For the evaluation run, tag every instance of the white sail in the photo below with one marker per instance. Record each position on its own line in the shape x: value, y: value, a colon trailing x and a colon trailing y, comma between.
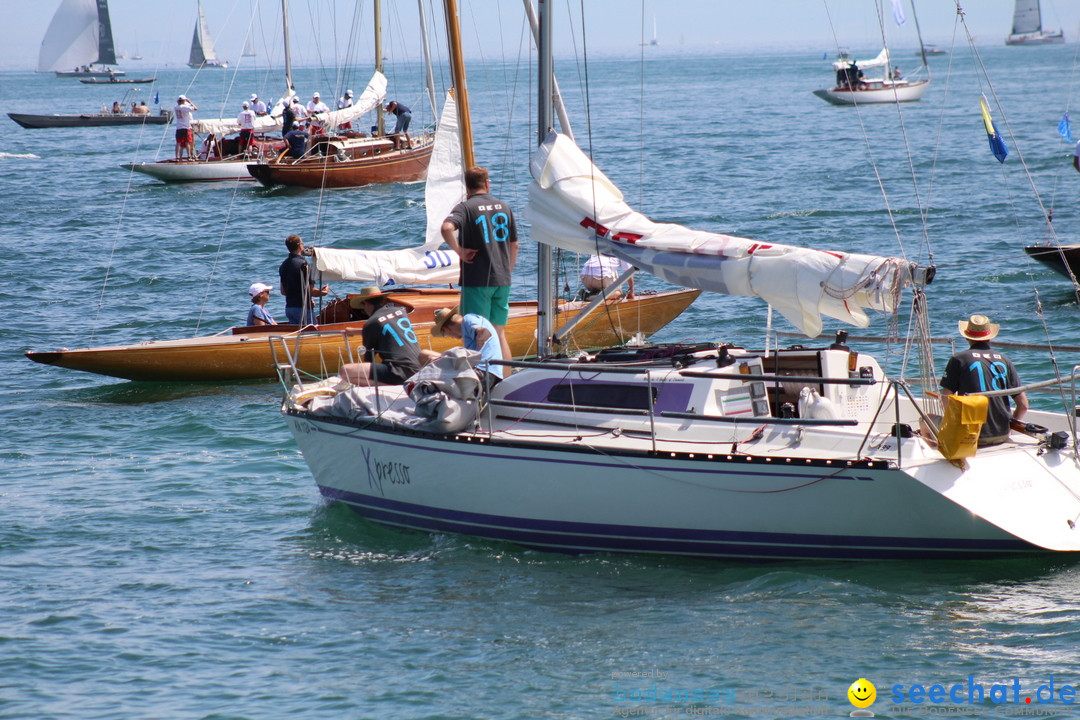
x: 882, y: 60
x: 72, y: 37
x: 368, y: 101
x: 202, y: 44
x: 1027, y: 17
x: 573, y: 206
x: 427, y: 264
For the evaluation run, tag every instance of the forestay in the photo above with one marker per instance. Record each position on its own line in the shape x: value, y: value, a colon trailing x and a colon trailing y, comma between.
x: 427, y: 264
x: 368, y: 101
x: 574, y: 206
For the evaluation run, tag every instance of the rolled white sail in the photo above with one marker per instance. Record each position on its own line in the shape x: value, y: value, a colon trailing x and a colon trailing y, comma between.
x: 72, y: 37
x: 882, y: 60
x: 368, y: 100
x: 427, y: 264
x: 574, y: 206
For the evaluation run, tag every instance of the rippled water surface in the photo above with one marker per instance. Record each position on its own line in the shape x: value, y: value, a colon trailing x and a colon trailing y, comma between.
x: 163, y: 549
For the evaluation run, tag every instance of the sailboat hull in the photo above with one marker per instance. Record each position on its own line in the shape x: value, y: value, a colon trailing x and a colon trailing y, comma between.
x: 877, y: 92
x: 177, y: 171
x: 568, y: 458
x: 1036, y: 38
x: 372, y: 163
x: 246, y: 354
x: 1063, y: 259
x: 89, y: 73
x: 624, y: 497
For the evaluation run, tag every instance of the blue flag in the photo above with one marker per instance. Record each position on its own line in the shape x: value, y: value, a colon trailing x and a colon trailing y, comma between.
x: 1064, y: 129
x: 997, y: 144
x: 898, y: 12
x: 157, y: 98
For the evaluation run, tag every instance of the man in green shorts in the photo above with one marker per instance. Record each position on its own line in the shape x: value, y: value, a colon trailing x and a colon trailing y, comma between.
x: 482, y: 232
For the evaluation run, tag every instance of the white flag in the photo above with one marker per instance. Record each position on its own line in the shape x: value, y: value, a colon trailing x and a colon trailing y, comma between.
x: 898, y: 12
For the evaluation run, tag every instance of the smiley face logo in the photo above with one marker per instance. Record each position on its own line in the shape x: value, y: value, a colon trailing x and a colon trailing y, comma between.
x: 862, y: 693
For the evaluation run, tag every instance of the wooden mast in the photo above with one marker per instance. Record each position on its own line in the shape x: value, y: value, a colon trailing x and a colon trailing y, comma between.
x: 461, y: 95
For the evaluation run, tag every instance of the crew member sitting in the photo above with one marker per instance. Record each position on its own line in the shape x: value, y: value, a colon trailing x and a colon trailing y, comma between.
x: 257, y: 313
x: 389, y: 334
x: 297, y: 139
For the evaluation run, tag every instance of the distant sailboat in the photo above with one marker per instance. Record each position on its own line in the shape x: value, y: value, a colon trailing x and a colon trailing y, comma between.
x: 249, y: 49
x: 136, y: 56
x: 202, y: 45
x: 1027, y: 26
x: 80, y: 37
x: 653, y: 41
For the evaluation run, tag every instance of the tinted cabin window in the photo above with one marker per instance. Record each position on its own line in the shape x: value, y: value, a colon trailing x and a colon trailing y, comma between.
x: 632, y: 397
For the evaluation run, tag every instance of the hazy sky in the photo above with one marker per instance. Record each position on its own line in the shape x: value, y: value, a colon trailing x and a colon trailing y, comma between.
x: 161, y: 29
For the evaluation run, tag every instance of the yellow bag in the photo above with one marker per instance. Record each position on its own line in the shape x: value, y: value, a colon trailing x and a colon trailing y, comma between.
x: 961, y: 424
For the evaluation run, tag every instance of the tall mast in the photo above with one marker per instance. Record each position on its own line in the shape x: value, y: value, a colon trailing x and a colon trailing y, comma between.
x: 918, y: 32
x: 288, y: 54
x: 430, y: 77
x: 378, y: 63
x: 545, y: 290
x: 461, y: 95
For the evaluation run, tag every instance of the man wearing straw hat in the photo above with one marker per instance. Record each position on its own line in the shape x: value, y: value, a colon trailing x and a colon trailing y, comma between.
x: 388, y: 333
x: 475, y: 332
x: 982, y: 369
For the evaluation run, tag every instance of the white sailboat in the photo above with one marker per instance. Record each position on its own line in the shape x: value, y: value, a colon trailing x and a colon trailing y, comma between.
x: 80, y: 37
x: 692, y: 450
x: 249, y: 49
x: 1027, y: 26
x: 202, y: 45
x: 853, y: 87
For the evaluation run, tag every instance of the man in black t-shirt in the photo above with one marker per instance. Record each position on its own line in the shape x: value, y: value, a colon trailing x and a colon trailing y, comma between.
x: 296, y: 284
x: 389, y: 334
x: 482, y: 232
x: 981, y: 369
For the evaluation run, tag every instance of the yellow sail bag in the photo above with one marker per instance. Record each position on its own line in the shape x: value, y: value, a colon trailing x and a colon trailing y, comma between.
x: 960, y: 426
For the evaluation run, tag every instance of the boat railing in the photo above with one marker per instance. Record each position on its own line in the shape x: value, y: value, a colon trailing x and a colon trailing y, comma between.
x: 286, y: 359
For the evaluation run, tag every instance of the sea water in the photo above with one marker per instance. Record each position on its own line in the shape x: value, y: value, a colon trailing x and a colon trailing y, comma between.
x: 164, y: 551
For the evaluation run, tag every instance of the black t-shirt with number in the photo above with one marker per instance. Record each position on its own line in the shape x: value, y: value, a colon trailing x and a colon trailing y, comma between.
x: 390, y: 334
x: 485, y: 223
x: 980, y: 369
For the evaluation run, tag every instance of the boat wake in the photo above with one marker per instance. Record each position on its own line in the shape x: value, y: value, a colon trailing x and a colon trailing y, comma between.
x: 20, y: 156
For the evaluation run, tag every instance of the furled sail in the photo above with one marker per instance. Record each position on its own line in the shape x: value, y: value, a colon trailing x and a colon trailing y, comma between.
x: 574, y: 206
x: 79, y: 34
x: 427, y: 264
x: 368, y: 101
x: 371, y: 98
x: 202, y: 44
x: 882, y: 60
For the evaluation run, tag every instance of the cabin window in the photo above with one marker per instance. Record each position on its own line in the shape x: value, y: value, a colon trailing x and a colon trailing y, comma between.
x: 624, y: 397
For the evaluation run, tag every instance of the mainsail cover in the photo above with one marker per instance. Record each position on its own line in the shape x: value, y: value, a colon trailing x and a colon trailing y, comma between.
x: 574, y: 206
x: 368, y: 100
x: 427, y: 264
x: 72, y: 37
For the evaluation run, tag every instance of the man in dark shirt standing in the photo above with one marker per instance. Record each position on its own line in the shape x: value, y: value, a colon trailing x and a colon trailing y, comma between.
x: 482, y: 232
x: 389, y: 334
x: 981, y: 369
x: 296, y: 284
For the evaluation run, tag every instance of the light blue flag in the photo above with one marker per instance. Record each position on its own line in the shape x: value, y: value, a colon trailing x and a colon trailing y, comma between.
x: 898, y: 12
x: 1064, y: 129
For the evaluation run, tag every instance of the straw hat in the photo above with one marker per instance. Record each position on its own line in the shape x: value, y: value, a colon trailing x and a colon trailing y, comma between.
x: 442, y: 316
x: 978, y: 327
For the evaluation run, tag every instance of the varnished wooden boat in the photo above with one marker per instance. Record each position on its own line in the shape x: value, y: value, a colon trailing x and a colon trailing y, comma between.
x: 244, y: 353
x: 351, y: 162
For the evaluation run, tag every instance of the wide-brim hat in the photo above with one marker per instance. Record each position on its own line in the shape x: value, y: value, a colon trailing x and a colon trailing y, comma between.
x: 442, y: 316
x: 978, y: 327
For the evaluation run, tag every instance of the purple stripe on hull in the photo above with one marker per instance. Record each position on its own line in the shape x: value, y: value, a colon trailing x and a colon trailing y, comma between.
x: 576, y: 537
